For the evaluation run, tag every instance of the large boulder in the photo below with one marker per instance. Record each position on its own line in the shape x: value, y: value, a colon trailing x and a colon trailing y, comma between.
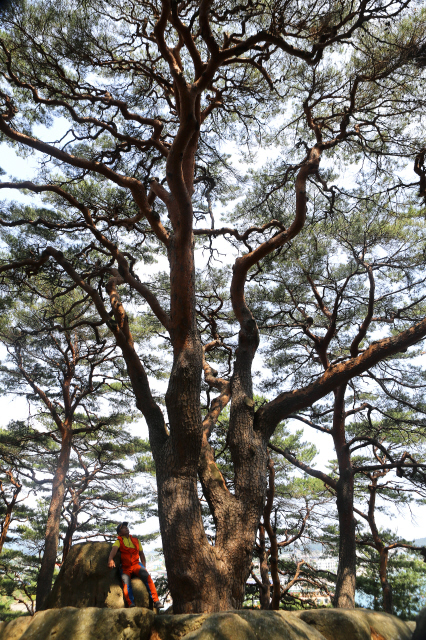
x: 85, y: 580
x: 90, y: 624
x: 15, y: 628
x: 233, y: 625
x: 94, y: 623
x: 356, y: 624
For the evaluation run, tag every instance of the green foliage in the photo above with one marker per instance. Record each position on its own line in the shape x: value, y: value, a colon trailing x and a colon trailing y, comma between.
x: 407, y: 576
x: 339, y: 78
x: 18, y: 576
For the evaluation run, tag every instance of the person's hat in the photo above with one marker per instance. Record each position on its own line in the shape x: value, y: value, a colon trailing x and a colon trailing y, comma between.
x: 122, y: 524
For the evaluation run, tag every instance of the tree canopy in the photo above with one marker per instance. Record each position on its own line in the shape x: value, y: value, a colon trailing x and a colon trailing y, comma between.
x: 137, y: 114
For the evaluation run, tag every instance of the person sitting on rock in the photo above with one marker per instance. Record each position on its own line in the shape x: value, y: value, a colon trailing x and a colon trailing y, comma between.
x: 133, y: 563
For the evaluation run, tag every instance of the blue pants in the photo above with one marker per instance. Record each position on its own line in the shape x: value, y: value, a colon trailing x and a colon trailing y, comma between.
x: 137, y: 571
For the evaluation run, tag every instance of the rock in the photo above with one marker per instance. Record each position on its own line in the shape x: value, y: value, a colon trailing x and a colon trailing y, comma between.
x: 14, y: 629
x: 170, y: 627
x: 356, y: 624
x: 383, y: 625
x: 86, y: 581
x: 411, y: 624
x: 92, y: 623
x: 276, y: 625
x: 420, y: 631
x: 238, y: 625
x: 336, y: 624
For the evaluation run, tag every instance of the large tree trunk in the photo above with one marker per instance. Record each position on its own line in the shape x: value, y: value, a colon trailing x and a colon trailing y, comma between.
x: 203, y: 577
x: 45, y: 576
x: 346, y: 573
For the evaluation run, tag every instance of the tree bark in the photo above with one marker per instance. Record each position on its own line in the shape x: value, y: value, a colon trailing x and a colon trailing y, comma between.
x: 344, y: 597
x: 204, y: 577
x: 273, y: 551
x: 265, y: 589
x: 45, y: 576
x: 386, y: 587
x: 9, y: 507
x: 5, y: 526
x: 380, y: 547
x: 71, y: 529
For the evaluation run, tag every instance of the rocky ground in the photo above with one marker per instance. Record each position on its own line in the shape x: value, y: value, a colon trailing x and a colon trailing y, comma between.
x: 87, y: 603
x: 93, y: 623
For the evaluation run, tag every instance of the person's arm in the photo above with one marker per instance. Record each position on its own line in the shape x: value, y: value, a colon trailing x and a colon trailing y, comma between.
x: 112, y: 555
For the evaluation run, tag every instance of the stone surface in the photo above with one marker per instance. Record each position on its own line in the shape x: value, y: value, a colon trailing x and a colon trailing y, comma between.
x: 85, y: 580
x: 94, y: 623
x: 14, y: 629
x: 170, y: 627
x: 356, y: 624
x: 336, y: 624
x: 420, y: 632
x: 90, y: 624
x: 239, y: 625
x: 385, y: 625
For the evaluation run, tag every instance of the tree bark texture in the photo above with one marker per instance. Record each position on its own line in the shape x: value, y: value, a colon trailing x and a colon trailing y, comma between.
x: 10, y: 506
x: 380, y: 546
x: 265, y: 589
x: 271, y: 531
x: 5, y: 526
x: 71, y: 529
x: 386, y: 587
x: 47, y: 568
x: 344, y: 597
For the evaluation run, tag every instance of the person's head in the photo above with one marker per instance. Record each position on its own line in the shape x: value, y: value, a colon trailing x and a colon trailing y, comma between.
x: 123, y: 529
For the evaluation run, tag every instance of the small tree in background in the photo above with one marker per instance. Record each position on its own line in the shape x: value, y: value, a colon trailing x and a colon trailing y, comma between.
x: 406, y: 573
x: 61, y: 362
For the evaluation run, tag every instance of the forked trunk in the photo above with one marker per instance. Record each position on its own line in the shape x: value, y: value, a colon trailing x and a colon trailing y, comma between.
x: 344, y: 597
x: 45, y: 576
x: 202, y: 578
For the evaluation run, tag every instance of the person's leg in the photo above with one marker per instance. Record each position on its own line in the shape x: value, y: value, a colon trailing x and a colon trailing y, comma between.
x: 127, y: 589
x: 150, y: 586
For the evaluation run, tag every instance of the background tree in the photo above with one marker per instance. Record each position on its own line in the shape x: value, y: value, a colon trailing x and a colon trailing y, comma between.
x: 406, y: 574
x: 150, y: 93
x: 294, y: 513
x: 325, y: 300
x: 14, y: 492
x: 104, y: 480
x: 60, y: 362
x: 384, y: 542
x: 18, y: 580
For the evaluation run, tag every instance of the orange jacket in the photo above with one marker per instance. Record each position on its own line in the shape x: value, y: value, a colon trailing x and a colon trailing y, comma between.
x: 129, y: 557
